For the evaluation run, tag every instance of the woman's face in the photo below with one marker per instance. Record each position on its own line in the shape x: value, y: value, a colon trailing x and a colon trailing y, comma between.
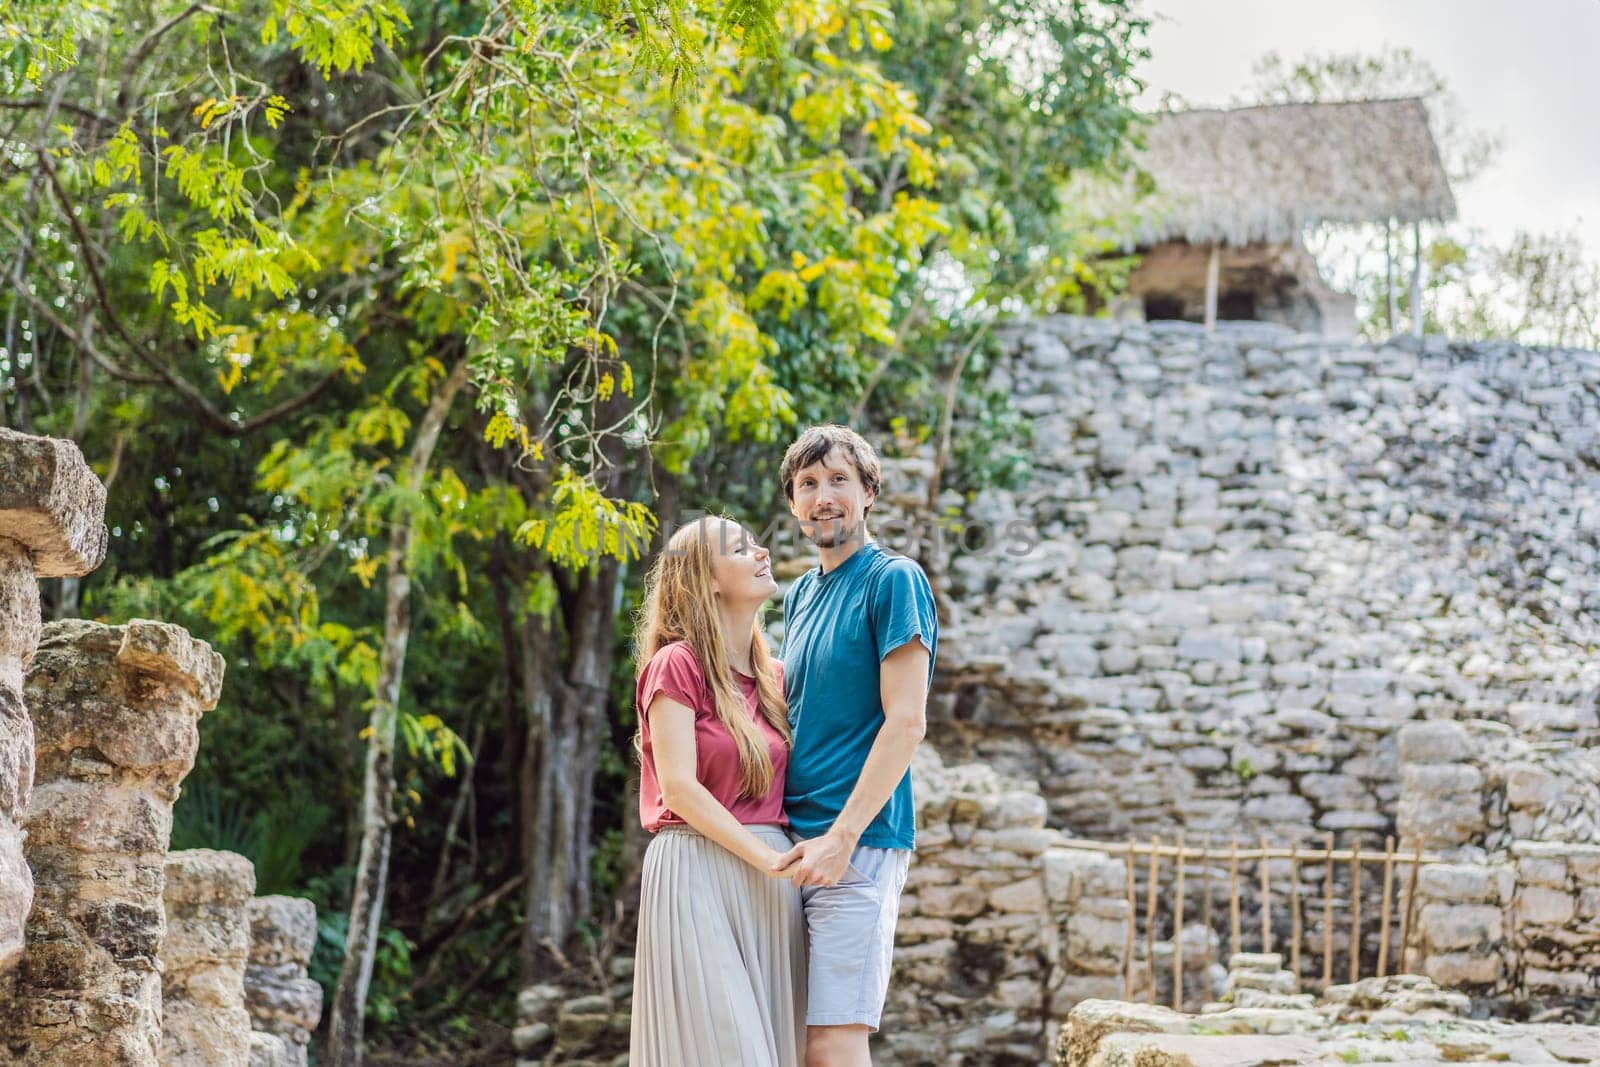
x: 741, y: 570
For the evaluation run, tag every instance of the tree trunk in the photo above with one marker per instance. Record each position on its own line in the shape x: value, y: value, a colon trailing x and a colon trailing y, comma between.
x: 535, y: 787
x: 377, y: 790
x: 567, y: 723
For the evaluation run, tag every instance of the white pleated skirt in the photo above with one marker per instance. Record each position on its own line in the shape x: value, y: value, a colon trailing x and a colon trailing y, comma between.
x: 719, y: 975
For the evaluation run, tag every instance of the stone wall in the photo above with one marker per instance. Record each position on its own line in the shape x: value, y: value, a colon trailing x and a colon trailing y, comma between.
x: 1481, y: 786
x: 1002, y: 928
x: 1257, y: 555
x: 284, y: 1003
x: 1522, y: 928
x: 116, y: 712
x: 52, y: 511
x: 1271, y: 585
x: 204, y: 1022
x: 111, y: 950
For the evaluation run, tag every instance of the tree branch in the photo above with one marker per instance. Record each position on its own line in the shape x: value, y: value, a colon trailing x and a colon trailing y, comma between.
x: 84, y: 345
x: 39, y: 103
x: 147, y: 45
x: 210, y: 414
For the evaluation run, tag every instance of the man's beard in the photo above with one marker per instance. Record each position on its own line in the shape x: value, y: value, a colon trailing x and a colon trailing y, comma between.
x: 831, y: 533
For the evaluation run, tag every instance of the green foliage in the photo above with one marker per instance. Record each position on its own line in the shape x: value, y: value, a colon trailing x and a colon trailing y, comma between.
x: 388, y: 997
x: 275, y: 838
x: 251, y: 248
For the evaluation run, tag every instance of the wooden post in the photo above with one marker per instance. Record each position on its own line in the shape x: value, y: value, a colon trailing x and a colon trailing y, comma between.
x: 1416, y: 279
x: 1213, y: 271
x: 1388, y: 888
x: 1411, y: 902
x: 1205, y: 899
x: 1294, y: 909
x: 1266, y: 899
x: 1177, y: 936
x: 1133, y: 922
x: 1150, y: 916
x: 1388, y: 273
x: 1233, y: 898
x: 1355, y: 910
x: 1327, y: 913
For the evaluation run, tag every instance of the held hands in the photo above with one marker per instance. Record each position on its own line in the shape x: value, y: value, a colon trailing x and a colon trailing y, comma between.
x: 820, y: 861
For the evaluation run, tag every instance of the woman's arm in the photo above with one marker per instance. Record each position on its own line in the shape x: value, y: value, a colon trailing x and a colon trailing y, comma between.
x: 672, y: 744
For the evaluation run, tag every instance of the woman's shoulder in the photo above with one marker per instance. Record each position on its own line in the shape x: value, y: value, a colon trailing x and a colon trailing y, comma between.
x: 677, y: 659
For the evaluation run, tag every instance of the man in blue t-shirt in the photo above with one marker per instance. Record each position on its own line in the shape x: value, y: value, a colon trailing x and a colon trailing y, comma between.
x: 860, y: 633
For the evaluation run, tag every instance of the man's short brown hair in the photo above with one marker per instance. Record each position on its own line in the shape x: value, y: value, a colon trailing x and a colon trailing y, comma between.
x: 815, y: 445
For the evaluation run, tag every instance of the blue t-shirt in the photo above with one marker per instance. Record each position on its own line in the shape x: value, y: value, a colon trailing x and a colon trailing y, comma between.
x: 837, y: 628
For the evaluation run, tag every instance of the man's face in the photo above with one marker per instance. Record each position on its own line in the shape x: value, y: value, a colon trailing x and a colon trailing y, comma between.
x: 829, y: 500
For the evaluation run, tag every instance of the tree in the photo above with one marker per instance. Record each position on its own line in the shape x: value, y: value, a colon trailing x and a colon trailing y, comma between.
x: 1537, y: 289
x: 265, y: 257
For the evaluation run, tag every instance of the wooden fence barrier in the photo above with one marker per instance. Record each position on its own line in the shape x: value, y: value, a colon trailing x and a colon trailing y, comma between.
x: 1184, y: 855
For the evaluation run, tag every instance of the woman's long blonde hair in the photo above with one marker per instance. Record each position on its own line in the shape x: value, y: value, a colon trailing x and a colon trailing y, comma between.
x: 680, y: 605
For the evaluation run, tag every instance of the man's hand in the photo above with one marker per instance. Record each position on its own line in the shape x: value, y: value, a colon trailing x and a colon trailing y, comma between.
x: 820, y: 861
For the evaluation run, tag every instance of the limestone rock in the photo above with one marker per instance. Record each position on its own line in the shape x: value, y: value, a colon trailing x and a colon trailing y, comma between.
x: 203, y: 960
x: 52, y: 524
x: 281, y: 998
x: 1396, y: 995
x: 113, y: 740
x: 52, y: 504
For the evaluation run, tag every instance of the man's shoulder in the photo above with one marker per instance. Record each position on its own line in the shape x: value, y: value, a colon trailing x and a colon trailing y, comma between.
x: 886, y: 566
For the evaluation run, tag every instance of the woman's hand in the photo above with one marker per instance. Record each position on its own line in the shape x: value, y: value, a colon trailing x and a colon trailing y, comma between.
x: 773, y: 865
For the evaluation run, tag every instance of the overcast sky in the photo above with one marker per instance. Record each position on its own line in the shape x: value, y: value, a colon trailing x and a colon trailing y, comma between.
x: 1527, y: 70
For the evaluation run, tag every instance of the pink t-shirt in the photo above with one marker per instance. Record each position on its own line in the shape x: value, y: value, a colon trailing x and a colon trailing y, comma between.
x: 674, y: 671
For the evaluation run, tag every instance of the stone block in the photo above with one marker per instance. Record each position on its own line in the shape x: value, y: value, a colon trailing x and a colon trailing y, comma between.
x: 1584, y: 863
x: 1589, y: 902
x: 1026, y: 896
x: 1459, y: 926
x: 1454, y: 970
x: 1438, y: 741
x: 1538, y: 905
x: 951, y: 901
x: 914, y: 928
x: 1530, y: 786
x: 1282, y: 809
x: 1570, y: 983
x: 1072, y: 874
x: 204, y: 1022
x: 279, y: 995
x: 1548, y: 871
x: 51, y: 503
x: 1073, y: 988
x: 1212, y: 645
x: 1095, y: 945
x: 1015, y: 809
x: 1457, y: 883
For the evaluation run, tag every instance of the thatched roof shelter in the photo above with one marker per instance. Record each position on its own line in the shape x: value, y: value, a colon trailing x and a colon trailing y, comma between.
x: 1265, y: 174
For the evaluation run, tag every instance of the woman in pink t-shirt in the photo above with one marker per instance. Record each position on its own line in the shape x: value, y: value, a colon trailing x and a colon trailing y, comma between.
x: 719, y: 972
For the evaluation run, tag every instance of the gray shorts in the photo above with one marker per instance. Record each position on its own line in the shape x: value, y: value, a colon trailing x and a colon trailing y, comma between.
x: 850, y: 930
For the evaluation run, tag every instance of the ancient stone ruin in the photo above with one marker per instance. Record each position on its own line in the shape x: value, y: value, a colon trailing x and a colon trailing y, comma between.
x: 284, y: 1003
x: 50, y: 526
x: 1271, y: 586
x: 112, y: 951
x: 1400, y: 1019
x: 115, y: 712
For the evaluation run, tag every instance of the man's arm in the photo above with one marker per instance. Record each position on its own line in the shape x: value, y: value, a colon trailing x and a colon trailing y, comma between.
x: 903, y: 688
